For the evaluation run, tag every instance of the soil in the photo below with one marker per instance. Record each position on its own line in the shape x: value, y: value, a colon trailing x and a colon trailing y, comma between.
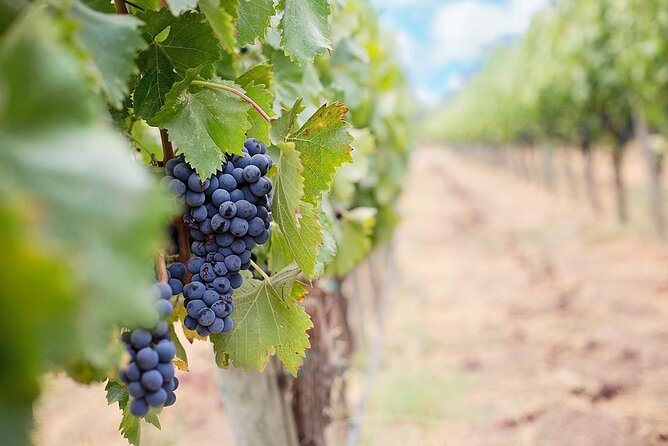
x: 519, y: 318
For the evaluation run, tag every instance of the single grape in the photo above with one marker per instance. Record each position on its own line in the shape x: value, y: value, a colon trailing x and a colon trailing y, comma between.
x: 138, y: 407
x: 220, y: 223
x: 140, y: 338
x: 227, y: 182
x: 219, y: 197
x: 213, y: 185
x: 220, y: 309
x: 166, y: 369
x: 177, y: 187
x: 194, y: 265
x: 221, y: 285
x: 210, y: 296
x: 206, y: 317
x: 151, y: 380
x: 232, y: 263
x: 194, y: 307
x: 225, y: 239
x: 164, y: 308
x: 255, y: 227
x: 165, y: 350
x: 136, y: 390
x: 205, y: 226
x: 236, y: 195
x: 182, y: 171
x: 238, y: 226
x: 251, y: 173
x: 177, y: 270
x: 133, y: 372
x: 157, y: 398
x: 194, y: 199
x: 217, y: 326
x: 176, y: 286
x: 261, y: 187
x: 170, y: 164
x: 229, y: 324
x: 190, y: 322
x: 228, y: 209
x: 196, y: 184
x: 196, y: 235
x: 171, y: 399
x: 147, y: 358
x: 202, y: 330
x: 199, y: 213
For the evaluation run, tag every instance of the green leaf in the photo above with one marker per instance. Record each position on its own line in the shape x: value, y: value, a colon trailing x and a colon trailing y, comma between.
x: 329, y: 248
x: 297, y: 221
x: 324, y: 144
x: 152, y: 419
x: 205, y: 124
x: 305, y: 28
x: 116, y: 393
x: 282, y: 126
x: 179, y: 6
x: 98, y: 33
x: 254, y: 19
x: 130, y: 426
x: 267, y: 320
x: 257, y: 83
x: 100, y: 213
x: 221, y: 17
x: 353, y: 240
x: 189, y: 44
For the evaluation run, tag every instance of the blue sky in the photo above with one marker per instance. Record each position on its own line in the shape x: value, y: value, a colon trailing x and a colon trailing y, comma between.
x: 442, y: 42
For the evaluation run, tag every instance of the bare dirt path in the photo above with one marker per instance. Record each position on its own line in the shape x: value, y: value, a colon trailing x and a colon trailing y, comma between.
x: 519, y: 319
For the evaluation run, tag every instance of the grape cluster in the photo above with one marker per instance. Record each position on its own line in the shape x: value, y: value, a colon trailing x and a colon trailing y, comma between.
x: 227, y: 214
x: 149, y: 376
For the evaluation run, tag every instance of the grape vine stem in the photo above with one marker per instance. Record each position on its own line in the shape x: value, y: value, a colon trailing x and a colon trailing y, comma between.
x: 232, y: 90
x: 181, y: 229
x: 161, y: 267
x: 259, y: 270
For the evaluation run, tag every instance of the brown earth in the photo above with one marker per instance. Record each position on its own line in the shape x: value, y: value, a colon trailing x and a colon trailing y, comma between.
x: 518, y: 318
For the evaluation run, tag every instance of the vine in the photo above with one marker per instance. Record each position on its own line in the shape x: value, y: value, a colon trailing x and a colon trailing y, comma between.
x: 125, y: 87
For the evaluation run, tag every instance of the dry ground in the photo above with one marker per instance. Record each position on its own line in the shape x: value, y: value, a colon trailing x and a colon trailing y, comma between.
x: 519, y: 318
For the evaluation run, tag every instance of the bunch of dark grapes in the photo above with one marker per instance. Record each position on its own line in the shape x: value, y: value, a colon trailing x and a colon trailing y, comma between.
x: 227, y: 214
x: 149, y: 376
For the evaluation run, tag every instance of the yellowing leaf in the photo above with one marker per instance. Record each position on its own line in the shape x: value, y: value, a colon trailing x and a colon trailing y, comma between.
x: 324, y: 144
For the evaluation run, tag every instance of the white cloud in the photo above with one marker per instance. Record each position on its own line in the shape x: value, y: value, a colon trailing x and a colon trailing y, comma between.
x: 461, y: 30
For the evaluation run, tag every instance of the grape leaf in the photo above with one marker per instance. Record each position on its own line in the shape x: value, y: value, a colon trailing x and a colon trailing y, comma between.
x: 297, y: 221
x: 257, y: 83
x: 179, y: 6
x: 324, y: 144
x: 221, y: 17
x: 267, y: 319
x: 305, y: 28
x: 102, y: 213
x: 259, y: 74
x: 282, y: 126
x: 176, y: 46
x: 329, y: 248
x: 353, y: 240
x: 130, y: 426
x: 116, y: 393
x: 97, y: 33
x: 254, y: 19
x: 205, y: 124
